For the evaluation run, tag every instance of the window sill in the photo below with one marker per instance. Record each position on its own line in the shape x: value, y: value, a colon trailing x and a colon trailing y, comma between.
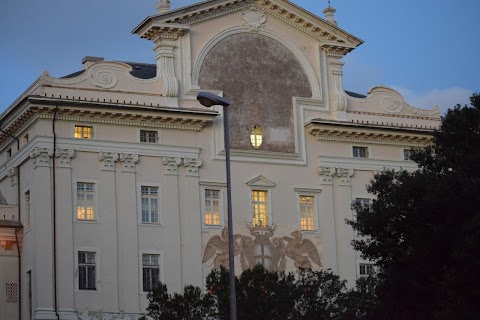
x: 151, y: 224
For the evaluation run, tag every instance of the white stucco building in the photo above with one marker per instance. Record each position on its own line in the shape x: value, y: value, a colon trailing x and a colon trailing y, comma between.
x: 114, y: 177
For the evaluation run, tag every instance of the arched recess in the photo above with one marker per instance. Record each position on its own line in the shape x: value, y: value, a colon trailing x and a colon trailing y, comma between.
x: 261, y: 74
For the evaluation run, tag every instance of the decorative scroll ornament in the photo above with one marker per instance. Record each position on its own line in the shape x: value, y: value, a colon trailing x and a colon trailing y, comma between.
x: 171, y: 165
x: 253, y: 18
x: 263, y: 248
x: 64, y: 156
x: 41, y: 157
x: 129, y: 161
x: 326, y: 174
x: 108, y: 160
x: 103, y: 78
x: 345, y: 175
x: 192, y: 164
x: 166, y: 70
x: 391, y: 103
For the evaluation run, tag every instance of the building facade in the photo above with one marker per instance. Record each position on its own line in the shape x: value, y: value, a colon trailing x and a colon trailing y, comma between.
x: 113, y: 177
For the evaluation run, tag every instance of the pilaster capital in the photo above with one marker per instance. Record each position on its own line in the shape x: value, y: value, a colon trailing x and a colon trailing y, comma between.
x: 108, y: 160
x: 171, y: 165
x: 192, y: 165
x: 326, y: 174
x: 64, y: 156
x: 345, y: 176
x: 12, y: 174
x: 129, y: 161
x: 41, y: 157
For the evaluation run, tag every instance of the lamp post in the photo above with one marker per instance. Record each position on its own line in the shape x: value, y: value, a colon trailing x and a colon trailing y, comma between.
x: 209, y: 99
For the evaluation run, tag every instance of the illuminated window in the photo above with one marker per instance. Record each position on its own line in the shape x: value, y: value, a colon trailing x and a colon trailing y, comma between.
x: 260, y: 207
x: 149, y: 204
x: 256, y: 136
x: 151, y: 271
x: 83, y: 132
x: 87, y: 273
x: 85, y: 201
x: 360, y: 152
x: 212, y: 207
x: 307, y: 212
x: 148, y: 136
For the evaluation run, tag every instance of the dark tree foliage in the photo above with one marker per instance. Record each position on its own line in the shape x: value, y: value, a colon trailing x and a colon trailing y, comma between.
x: 423, y: 228
x: 266, y: 295
x: 191, y: 305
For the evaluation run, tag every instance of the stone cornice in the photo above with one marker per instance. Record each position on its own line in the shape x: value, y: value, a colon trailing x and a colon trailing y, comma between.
x: 164, y: 31
x: 110, y: 113
x: 333, y: 39
x: 369, y: 133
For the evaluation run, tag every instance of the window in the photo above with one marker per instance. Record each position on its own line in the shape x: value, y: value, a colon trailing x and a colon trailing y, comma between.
x: 83, y: 132
x: 366, y: 269
x: 360, y: 152
x: 149, y: 204
x: 85, y: 201
x: 260, y: 207
x: 25, y: 139
x: 148, y: 136
x: 151, y: 271
x: 406, y: 154
x: 87, y: 273
x: 29, y: 300
x: 27, y: 210
x: 212, y: 207
x: 256, y: 136
x: 363, y: 201
x: 307, y: 212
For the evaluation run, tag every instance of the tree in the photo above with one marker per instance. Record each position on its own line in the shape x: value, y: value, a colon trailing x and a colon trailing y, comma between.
x: 423, y: 228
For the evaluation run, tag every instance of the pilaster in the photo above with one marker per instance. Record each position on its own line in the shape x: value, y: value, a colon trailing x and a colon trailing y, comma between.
x: 42, y: 209
x: 108, y: 238
x: 165, y: 66
x: 191, y: 224
x: 64, y: 227
x: 170, y: 165
x: 338, y: 97
x: 344, y: 232
x: 127, y: 221
x: 327, y: 218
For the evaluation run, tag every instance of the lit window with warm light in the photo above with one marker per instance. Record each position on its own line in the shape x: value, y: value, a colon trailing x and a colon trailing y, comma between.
x: 260, y: 207
x: 212, y: 207
x: 307, y: 212
x: 256, y: 136
x: 83, y: 132
x: 85, y: 201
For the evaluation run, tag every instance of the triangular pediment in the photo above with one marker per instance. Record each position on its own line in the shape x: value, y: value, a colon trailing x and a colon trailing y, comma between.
x: 331, y: 37
x: 261, y: 181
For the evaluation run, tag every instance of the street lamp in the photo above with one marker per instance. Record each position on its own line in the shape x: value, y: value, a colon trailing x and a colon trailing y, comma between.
x: 209, y: 99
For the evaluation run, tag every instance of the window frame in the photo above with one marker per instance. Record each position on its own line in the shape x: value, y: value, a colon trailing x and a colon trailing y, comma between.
x: 309, y: 192
x: 160, y: 203
x: 98, y: 287
x: 368, y: 154
x: 366, y: 264
x: 404, y: 153
x: 96, y: 206
x: 222, y: 202
x: 84, y: 126
x: 27, y: 209
x: 140, y: 267
x: 157, y: 134
x: 267, y: 201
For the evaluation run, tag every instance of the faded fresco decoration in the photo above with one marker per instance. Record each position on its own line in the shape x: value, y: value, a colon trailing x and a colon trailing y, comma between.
x: 261, y: 247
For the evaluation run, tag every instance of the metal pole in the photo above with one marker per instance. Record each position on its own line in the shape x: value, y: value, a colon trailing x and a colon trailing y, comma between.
x: 231, y: 254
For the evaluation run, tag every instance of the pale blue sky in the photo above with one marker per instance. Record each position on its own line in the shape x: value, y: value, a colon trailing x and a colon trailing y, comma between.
x: 426, y: 49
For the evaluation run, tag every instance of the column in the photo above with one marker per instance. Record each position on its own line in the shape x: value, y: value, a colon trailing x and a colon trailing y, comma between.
x: 191, y: 224
x: 65, y: 259
x: 327, y: 219
x: 127, y: 221
x: 41, y: 208
x: 343, y: 210
x: 173, y: 249
x: 107, y: 238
